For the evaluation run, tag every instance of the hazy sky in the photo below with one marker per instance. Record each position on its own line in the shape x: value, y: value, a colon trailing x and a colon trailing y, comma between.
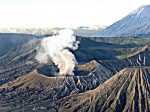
x: 49, y: 13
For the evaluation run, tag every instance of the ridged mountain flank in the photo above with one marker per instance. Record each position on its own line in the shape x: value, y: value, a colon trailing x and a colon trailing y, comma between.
x: 127, y: 91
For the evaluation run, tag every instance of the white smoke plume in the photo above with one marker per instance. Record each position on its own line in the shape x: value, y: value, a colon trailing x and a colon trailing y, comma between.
x: 56, y: 48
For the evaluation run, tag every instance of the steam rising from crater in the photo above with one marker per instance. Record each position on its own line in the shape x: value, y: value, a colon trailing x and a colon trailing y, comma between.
x: 57, y: 48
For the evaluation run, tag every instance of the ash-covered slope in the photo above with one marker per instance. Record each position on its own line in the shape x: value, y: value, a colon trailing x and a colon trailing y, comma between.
x: 34, y: 87
x: 128, y: 91
x: 49, y: 89
x: 136, y: 24
x: 18, y: 61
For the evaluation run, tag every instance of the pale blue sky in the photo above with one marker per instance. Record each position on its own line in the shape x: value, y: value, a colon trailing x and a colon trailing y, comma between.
x: 64, y: 13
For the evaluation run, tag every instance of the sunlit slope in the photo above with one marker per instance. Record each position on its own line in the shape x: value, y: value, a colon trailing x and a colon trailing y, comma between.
x: 128, y: 90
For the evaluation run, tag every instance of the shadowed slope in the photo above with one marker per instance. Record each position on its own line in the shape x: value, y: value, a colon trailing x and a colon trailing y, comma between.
x: 140, y: 59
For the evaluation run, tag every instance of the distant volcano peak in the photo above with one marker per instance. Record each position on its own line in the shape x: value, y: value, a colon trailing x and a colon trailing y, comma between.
x: 136, y: 24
